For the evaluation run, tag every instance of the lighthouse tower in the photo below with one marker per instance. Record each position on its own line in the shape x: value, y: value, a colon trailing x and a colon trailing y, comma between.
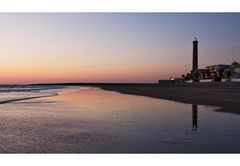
x: 195, y: 55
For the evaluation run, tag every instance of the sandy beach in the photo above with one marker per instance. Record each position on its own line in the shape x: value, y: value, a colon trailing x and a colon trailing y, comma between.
x: 85, y: 119
x: 223, y: 94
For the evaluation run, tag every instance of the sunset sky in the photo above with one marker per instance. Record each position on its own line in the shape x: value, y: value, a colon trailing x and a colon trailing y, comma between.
x: 111, y: 47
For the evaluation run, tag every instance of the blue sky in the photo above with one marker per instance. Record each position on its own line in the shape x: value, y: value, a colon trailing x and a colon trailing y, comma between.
x: 112, y: 47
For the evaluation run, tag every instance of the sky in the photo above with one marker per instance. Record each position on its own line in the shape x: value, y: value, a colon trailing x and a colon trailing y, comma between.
x: 112, y: 47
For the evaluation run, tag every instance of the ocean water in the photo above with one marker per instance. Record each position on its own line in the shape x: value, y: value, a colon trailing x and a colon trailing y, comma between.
x: 56, y: 119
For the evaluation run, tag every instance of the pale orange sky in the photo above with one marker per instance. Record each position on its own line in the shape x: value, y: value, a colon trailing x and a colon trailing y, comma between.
x: 78, y: 47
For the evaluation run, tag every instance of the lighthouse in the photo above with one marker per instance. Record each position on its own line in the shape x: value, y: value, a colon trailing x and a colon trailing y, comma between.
x: 195, y: 55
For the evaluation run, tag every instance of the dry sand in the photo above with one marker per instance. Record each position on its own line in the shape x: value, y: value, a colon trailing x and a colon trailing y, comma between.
x: 223, y: 94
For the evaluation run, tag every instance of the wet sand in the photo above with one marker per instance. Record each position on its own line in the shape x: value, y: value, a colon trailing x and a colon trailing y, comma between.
x: 223, y: 94
x: 91, y: 120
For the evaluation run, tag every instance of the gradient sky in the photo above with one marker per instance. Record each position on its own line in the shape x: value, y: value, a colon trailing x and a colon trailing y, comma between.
x: 111, y: 47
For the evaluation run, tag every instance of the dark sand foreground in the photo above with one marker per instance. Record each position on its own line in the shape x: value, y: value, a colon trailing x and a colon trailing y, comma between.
x: 223, y: 94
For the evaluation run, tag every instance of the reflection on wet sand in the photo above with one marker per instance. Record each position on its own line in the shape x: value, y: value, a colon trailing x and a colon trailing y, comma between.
x: 194, y: 117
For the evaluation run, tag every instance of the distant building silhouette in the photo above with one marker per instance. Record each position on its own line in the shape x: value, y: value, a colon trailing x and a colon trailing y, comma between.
x: 211, y: 73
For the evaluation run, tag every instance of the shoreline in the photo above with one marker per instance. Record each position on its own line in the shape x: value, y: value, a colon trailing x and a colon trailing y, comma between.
x: 225, y: 95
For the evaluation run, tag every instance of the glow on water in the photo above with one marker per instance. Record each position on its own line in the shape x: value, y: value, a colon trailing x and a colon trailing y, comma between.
x: 94, y: 120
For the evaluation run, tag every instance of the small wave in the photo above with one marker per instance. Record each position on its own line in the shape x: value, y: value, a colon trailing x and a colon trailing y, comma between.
x: 26, y: 98
x: 10, y: 94
x: 27, y: 88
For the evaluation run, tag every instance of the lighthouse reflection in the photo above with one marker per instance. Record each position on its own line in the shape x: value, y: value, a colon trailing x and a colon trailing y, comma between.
x: 194, y: 117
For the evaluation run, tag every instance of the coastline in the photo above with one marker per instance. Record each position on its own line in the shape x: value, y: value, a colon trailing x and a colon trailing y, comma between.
x: 95, y: 120
x: 225, y: 95
x: 221, y: 94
